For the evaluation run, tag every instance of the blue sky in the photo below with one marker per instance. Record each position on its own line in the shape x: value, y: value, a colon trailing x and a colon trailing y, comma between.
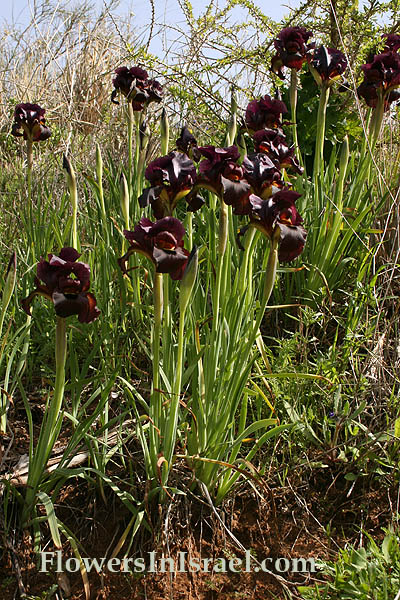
x: 18, y: 11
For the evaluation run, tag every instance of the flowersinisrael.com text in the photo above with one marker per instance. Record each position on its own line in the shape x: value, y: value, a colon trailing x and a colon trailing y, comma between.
x: 183, y: 563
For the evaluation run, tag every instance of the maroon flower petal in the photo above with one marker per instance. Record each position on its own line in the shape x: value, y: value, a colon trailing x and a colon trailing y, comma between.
x: 170, y: 225
x: 186, y: 140
x: 291, y: 49
x: 69, y: 254
x: 280, y: 211
x: 292, y: 241
x: 173, y: 262
x: 162, y: 242
x: 392, y: 42
x: 83, y: 305
x: 194, y: 201
x: 264, y: 113
x: 39, y: 291
x: 93, y: 312
x: 149, y: 196
x: 236, y: 194
x: 139, y: 73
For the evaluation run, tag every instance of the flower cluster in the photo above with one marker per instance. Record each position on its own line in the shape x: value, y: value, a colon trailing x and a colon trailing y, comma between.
x: 136, y: 86
x: 238, y: 183
x: 261, y: 192
x: 66, y: 284
x: 382, y: 75
x: 292, y: 51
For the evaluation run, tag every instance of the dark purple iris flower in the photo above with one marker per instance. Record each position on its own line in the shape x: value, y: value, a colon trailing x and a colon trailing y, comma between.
x: 280, y: 211
x: 273, y: 143
x: 221, y: 174
x: 161, y: 242
x: 327, y: 65
x: 369, y: 91
x: 172, y: 178
x: 264, y: 113
x: 383, y: 71
x: 263, y: 174
x: 66, y: 284
x: 29, y: 123
x: 291, y: 46
x: 392, y: 42
x: 218, y: 163
x: 381, y: 78
x: 259, y: 175
x: 187, y: 143
x: 136, y: 86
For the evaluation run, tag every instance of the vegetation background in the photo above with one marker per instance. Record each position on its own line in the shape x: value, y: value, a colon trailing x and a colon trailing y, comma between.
x: 331, y: 480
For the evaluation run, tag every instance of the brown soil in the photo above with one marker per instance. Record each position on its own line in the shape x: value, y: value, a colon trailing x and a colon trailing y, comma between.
x: 288, y: 522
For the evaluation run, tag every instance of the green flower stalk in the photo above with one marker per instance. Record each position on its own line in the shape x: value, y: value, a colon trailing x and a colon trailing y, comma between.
x: 232, y: 126
x: 130, y: 121
x: 376, y: 121
x: 320, y: 137
x: 8, y: 290
x: 138, y: 117
x: 9, y: 286
x: 144, y: 136
x: 293, y: 109
x: 188, y: 280
x: 52, y: 424
x: 73, y: 191
x: 187, y: 284
x: 164, y: 128
x: 327, y: 66
x: 99, y: 174
x: 29, y: 162
x: 330, y: 244
x: 245, y: 274
x: 156, y: 401
x: 124, y: 200
x: 269, y: 282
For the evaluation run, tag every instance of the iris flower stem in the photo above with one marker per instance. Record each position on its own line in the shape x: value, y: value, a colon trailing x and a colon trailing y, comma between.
x: 269, y: 283
x: 138, y: 185
x: 376, y: 122
x: 244, y: 280
x: 189, y: 228
x: 374, y: 132
x: 99, y: 173
x: 29, y: 157
x: 363, y: 174
x: 222, y: 240
x: 74, y: 202
x: 364, y: 146
x: 29, y: 160
x: 130, y: 141
x: 167, y: 320
x: 156, y: 404
x: 172, y: 421
x: 293, y: 108
x: 61, y: 355
x: 52, y: 424
x: 320, y: 139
